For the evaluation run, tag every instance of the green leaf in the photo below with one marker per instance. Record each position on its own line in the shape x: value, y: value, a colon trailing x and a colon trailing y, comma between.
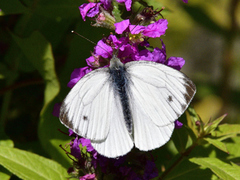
x: 193, y: 115
x: 39, y: 53
x: 12, y: 7
x: 4, y: 173
x: 227, y: 130
x: 221, y: 169
x: 187, y: 170
x: 217, y: 143
x: 30, y: 166
x: 210, y: 127
x: 116, y: 12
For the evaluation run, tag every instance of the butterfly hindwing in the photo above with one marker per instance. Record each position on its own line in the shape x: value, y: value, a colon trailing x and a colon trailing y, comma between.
x: 119, y: 141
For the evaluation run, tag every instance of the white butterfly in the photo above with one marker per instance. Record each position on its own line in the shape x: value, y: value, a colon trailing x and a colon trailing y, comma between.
x: 126, y: 104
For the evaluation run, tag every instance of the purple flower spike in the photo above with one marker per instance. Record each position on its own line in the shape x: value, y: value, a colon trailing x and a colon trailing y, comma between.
x: 77, y: 74
x: 178, y: 124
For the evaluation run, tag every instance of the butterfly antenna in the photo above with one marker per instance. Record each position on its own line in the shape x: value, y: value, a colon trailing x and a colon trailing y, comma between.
x: 84, y: 37
x: 90, y: 41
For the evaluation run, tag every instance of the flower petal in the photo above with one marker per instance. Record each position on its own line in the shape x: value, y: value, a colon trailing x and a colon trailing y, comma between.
x: 77, y: 74
x: 156, y: 29
x: 84, y: 8
x: 175, y: 62
x: 121, y: 26
x: 128, y: 4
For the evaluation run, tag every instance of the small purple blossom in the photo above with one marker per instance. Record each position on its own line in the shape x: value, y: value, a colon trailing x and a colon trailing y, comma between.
x: 71, y: 133
x: 77, y: 74
x: 156, y: 29
x: 128, y: 4
x: 178, y: 124
x: 106, y: 4
x: 75, y: 149
x: 153, y: 30
x: 88, y: 177
x: 92, y: 9
x: 159, y: 55
x: 89, y: 9
x: 175, y: 62
x: 185, y: 1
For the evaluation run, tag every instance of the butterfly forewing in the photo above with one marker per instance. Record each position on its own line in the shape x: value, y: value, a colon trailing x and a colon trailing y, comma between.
x: 85, y: 110
x: 158, y: 96
x: 163, y: 92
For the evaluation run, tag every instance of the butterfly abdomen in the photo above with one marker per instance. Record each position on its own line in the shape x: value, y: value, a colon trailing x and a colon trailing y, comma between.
x: 120, y: 84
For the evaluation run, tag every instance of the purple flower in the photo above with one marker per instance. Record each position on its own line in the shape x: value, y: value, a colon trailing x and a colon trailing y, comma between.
x: 88, y: 177
x: 93, y: 9
x: 103, y: 49
x: 77, y: 74
x: 89, y: 9
x: 156, y: 29
x: 128, y: 4
x: 159, y: 56
x: 178, y: 124
x: 108, y: 47
x: 185, y: 1
x: 75, y: 149
x: 106, y: 4
x: 175, y: 62
x: 152, y: 30
x: 71, y: 133
x: 87, y: 143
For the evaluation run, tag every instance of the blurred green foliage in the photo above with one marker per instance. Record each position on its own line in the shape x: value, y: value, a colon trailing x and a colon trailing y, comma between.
x: 38, y: 54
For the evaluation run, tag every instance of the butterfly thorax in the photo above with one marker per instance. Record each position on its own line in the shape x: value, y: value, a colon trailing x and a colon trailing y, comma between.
x: 120, y: 83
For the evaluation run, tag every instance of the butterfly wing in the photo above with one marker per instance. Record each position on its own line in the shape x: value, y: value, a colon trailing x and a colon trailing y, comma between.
x: 92, y: 109
x: 118, y: 141
x: 158, y: 96
x: 85, y: 109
